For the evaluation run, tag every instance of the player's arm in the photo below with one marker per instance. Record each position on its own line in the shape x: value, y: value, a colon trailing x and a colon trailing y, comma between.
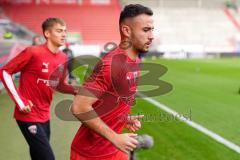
x: 13, y: 66
x: 64, y: 87
x: 82, y: 104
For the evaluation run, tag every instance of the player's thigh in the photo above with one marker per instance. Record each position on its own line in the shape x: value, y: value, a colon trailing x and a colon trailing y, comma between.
x: 33, y: 132
x: 46, y: 127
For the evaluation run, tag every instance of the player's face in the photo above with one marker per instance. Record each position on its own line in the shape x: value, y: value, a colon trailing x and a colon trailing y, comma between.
x: 57, y: 34
x: 142, y: 33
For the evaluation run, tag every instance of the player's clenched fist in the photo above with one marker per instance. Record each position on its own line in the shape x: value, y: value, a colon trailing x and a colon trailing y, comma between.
x: 125, y: 142
x: 27, y: 108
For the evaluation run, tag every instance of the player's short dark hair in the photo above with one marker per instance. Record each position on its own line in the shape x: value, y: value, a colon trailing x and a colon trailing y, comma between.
x: 49, y: 22
x: 133, y: 10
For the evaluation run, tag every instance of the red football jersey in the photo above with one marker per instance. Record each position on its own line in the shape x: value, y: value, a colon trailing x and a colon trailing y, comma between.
x: 36, y: 64
x: 114, y: 83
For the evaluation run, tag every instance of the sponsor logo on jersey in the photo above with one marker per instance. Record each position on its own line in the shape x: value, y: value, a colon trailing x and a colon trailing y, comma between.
x: 132, y: 80
x: 52, y: 83
x: 45, y: 67
x: 132, y: 76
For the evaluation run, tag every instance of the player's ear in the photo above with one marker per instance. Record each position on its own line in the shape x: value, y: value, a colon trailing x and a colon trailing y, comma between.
x: 126, y: 31
x: 46, y: 33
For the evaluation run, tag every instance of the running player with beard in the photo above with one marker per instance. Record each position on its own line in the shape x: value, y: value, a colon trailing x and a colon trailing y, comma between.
x: 107, y: 95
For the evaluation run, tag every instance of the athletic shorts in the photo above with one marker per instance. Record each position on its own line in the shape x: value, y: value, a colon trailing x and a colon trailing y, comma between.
x: 118, y: 156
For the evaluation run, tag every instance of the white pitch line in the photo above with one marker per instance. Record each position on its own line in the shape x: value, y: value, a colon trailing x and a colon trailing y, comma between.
x: 198, y: 127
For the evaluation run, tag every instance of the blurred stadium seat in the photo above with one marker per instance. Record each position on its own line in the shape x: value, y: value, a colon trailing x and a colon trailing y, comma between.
x: 96, y: 23
x: 188, y: 24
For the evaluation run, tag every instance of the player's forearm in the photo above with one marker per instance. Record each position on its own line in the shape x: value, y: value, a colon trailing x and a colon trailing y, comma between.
x: 101, y: 128
x: 87, y: 115
x: 9, y: 85
x: 68, y: 89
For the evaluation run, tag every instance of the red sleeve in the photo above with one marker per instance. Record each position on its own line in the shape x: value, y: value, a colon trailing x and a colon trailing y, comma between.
x: 63, y: 86
x: 99, y: 81
x: 13, y: 66
x: 19, y: 62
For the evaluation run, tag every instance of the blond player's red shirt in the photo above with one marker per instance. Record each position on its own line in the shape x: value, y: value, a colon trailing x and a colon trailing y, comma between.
x: 114, y: 83
x: 41, y: 72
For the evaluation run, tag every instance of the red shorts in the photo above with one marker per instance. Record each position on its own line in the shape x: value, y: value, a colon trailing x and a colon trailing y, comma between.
x: 118, y: 156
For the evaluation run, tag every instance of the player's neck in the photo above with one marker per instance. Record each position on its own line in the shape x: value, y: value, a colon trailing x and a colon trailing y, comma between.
x: 132, y: 53
x: 53, y: 48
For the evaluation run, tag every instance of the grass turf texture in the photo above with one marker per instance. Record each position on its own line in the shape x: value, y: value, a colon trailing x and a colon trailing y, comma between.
x: 207, y: 87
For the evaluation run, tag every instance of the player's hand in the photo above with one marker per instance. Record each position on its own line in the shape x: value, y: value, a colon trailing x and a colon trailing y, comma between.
x: 27, y: 108
x: 133, y: 123
x: 125, y: 142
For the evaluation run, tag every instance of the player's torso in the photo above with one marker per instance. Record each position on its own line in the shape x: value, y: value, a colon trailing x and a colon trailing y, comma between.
x: 124, y: 74
x: 35, y: 82
x: 114, y: 106
x: 42, y: 65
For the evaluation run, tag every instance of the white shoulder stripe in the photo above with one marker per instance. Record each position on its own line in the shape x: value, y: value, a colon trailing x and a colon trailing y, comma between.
x: 10, y: 85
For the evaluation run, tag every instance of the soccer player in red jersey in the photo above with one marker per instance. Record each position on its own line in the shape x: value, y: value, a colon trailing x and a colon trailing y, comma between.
x: 34, y: 95
x: 106, y: 96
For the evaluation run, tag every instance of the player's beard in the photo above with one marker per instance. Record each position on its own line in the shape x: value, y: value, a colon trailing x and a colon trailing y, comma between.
x: 142, y: 50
